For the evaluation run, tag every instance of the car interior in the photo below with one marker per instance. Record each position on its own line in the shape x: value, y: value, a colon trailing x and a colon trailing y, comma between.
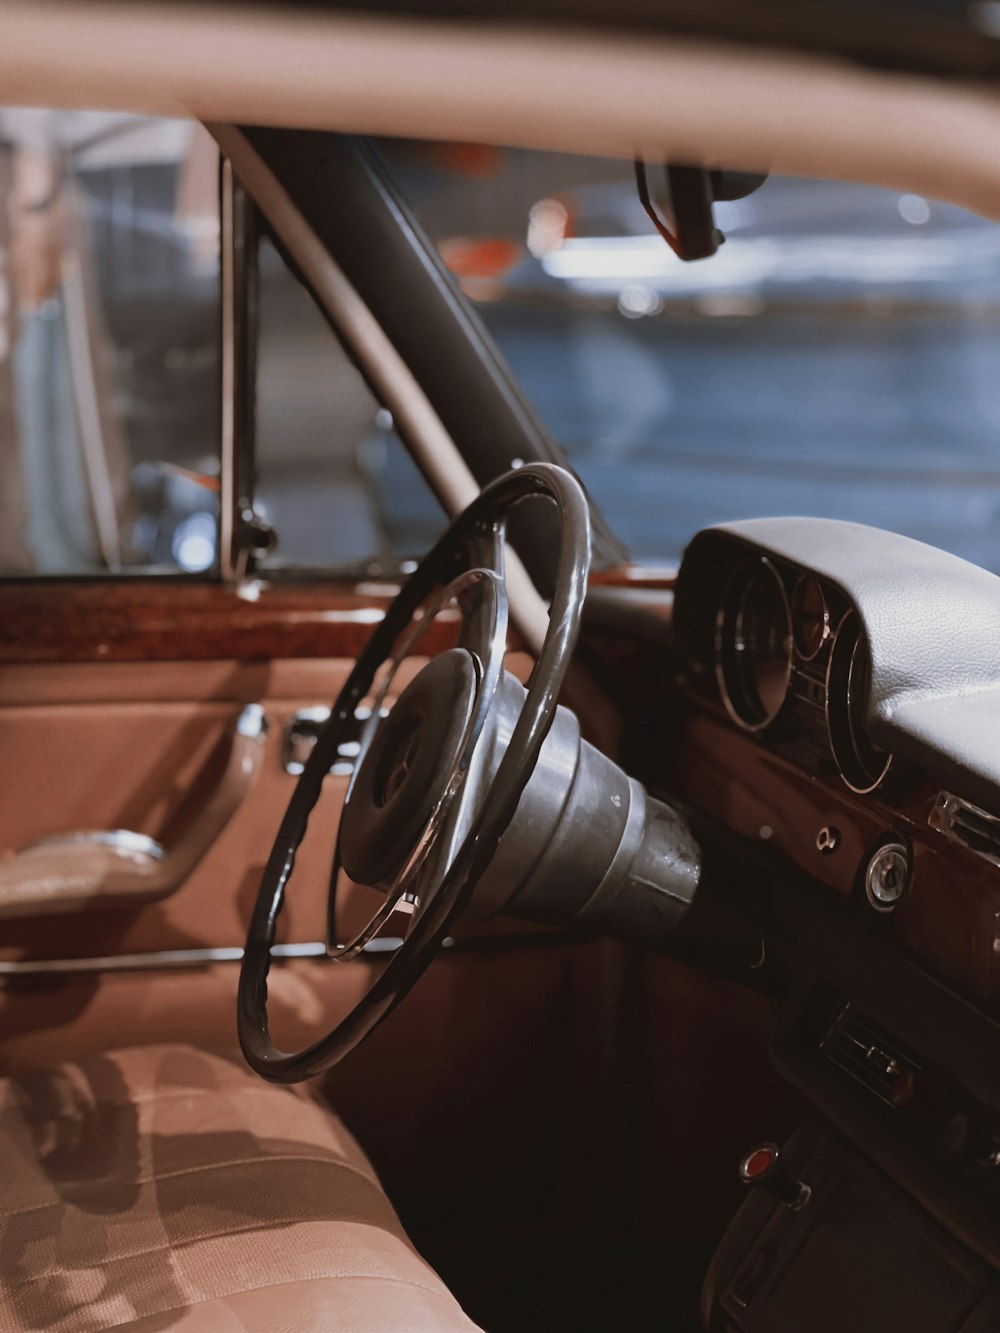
x: 499, y: 684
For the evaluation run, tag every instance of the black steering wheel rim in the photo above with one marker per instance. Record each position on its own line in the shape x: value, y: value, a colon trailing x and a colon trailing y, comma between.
x: 483, y: 519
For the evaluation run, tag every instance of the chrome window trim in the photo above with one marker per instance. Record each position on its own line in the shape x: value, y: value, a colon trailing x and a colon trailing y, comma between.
x: 238, y: 354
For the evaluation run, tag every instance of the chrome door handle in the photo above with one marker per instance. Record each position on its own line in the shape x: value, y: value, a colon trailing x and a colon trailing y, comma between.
x: 69, y: 872
x: 301, y: 733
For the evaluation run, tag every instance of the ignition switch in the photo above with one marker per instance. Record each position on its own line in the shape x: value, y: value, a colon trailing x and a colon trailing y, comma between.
x: 888, y: 876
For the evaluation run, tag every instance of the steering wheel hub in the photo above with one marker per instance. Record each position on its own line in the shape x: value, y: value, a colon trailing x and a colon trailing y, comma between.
x: 408, y: 769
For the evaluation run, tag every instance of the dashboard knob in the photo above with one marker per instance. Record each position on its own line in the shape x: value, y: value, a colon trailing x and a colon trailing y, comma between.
x: 762, y: 1168
x: 887, y: 876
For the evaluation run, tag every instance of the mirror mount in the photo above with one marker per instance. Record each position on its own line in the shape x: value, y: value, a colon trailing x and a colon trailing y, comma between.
x: 689, y: 228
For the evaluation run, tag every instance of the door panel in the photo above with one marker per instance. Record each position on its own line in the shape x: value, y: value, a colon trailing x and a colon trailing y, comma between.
x: 142, y: 766
x: 117, y: 709
x: 105, y: 766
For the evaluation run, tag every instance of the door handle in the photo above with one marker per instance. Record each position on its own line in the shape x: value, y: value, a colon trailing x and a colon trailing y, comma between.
x: 70, y: 872
x: 305, y: 726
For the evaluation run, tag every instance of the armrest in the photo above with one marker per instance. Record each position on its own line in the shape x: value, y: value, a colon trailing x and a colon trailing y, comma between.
x: 111, y: 868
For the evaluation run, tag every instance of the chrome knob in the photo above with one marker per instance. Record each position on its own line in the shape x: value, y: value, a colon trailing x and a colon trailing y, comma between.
x: 887, y: 876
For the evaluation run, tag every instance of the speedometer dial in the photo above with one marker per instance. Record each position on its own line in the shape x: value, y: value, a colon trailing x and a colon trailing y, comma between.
x: 861, y: 764
x: 754, y: 645
x: 810, y: 617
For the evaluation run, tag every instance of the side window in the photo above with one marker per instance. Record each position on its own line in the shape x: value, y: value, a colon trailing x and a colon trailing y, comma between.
x: 109, y: 344
x: 110, y: 371
x: 332, y: 478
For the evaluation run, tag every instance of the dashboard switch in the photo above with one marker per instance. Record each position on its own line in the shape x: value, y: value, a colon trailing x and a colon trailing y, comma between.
x: 887, y: 876
x: 762, y: 1168
x: 827, y: 840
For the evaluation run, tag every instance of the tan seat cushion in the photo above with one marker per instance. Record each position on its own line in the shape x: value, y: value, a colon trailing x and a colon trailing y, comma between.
x: 163, y: 1187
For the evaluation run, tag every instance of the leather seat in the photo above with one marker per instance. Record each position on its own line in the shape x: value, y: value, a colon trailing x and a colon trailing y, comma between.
x: 165, y: 1188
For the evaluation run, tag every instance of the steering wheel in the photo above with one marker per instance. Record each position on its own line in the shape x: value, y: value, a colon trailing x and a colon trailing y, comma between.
x: 437, y: 781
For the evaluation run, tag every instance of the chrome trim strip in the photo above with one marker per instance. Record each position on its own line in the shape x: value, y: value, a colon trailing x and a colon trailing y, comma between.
x: 238, y: 295
x: 227, y: 457
x: 972, y: 828
x: 252, y: 722
x: 121, y: 840
x: 159, y: 960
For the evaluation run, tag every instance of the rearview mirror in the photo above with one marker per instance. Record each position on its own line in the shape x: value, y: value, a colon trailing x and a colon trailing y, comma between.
x: 689, y: 228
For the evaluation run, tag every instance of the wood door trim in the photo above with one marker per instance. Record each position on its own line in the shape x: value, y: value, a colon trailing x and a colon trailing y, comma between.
x: 169, y: 619
x: 144, y: 620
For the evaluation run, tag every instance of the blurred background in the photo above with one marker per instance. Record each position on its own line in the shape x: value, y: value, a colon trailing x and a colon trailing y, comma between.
x: 837, y: 357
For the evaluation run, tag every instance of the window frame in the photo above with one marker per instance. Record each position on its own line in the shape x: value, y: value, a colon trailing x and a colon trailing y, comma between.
x: 327, y: 194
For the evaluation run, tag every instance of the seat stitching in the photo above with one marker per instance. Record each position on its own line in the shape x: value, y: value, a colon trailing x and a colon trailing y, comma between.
x: 174, y: 1247
x: 193, y: 1170
x: 442, y: 1294
x: 155, y: 1096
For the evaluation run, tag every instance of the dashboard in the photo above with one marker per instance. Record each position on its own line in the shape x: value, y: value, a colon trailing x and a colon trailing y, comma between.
x: 839, y: 714
x: 841, y: 693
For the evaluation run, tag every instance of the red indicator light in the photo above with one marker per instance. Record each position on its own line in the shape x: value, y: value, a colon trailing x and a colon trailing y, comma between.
x: 758, y: 1162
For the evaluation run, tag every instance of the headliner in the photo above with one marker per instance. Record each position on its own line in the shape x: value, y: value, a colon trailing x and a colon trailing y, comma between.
x: 584, y: 89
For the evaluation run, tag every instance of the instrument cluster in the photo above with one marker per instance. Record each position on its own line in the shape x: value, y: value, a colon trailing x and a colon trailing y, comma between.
x: 792, y: 661
x: 839, y: 689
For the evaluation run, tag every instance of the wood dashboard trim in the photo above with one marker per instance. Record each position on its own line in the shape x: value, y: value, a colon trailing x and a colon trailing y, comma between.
x: 950, y: 918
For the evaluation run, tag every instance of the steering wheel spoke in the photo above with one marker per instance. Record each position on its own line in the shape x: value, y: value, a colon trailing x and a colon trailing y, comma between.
x: 397, y: 903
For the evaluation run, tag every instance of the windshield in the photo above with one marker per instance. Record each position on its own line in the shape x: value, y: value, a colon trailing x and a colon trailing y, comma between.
x: 838, y: 357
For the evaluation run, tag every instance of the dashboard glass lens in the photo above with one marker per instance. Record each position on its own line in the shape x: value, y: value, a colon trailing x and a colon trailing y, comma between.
x: 810, y: 617
x: 754, y: 645
x: 862, y: 764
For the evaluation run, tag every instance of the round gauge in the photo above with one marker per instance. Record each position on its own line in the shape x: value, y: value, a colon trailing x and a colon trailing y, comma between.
x: 754, y: 645
x: 810, y: 617
x: 862, y: 765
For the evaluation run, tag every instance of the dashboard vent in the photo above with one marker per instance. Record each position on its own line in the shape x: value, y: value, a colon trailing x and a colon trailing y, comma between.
x: 967, y: 824
x: 872, y: 1056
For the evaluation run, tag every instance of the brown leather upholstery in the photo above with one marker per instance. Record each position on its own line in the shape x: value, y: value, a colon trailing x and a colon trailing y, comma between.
x: 164, y: 1188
